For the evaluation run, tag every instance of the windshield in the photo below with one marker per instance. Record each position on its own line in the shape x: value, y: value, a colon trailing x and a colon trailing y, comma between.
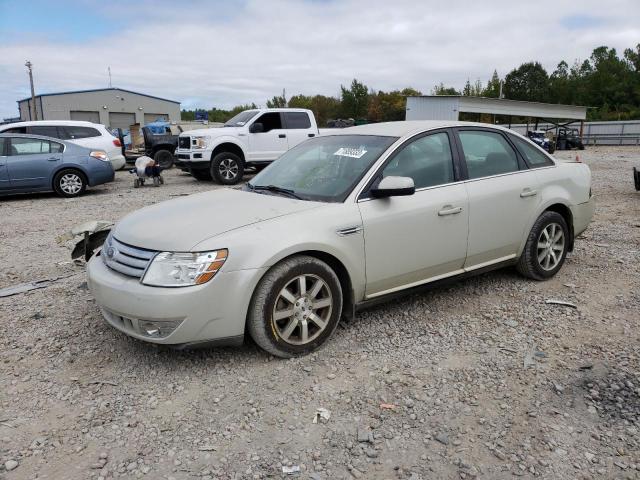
x: 324, y: 168
x: 241, y: 119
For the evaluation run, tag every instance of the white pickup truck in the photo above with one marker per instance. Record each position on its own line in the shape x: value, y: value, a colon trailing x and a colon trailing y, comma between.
x: 253, y: 138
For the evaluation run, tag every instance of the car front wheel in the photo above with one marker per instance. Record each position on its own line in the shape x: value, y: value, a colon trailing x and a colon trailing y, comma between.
x: 296, y: 307
x: 546, y: 247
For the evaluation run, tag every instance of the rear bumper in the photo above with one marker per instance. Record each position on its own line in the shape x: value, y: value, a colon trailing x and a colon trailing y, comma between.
x: 582, y: 215
x: 118, y: 161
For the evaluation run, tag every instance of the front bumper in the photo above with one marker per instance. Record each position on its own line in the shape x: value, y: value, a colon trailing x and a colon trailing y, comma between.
x: 582, y: 215
x: 214, y: 311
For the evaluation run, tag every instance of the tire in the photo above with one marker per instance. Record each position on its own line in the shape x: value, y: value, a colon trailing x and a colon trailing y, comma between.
x: 537, y: 262
x: 284, y: 337
x: 201, y: 175
x: 69, y: 183
x: 227, y: 168
x: 164, y: 158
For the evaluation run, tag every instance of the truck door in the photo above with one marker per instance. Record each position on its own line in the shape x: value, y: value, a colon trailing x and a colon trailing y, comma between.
x: 298, y: 126
x: 271, y: 142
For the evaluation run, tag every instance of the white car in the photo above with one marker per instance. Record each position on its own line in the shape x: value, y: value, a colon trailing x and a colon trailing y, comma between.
x: 86, y: 134
x: 335, y: 223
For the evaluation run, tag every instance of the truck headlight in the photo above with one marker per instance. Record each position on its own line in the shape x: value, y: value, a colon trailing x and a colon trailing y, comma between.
x: 170, y: 269
x: 199, y: 142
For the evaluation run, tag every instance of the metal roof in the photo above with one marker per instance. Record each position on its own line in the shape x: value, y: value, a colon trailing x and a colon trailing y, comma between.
x: 447, y: 107
x: 98, y: 90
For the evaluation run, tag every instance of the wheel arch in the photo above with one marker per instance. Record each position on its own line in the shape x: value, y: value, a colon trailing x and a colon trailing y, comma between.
x: 346, y: 283
x: 565, y: 211
x: 228, y: 147
x: 77, y: 168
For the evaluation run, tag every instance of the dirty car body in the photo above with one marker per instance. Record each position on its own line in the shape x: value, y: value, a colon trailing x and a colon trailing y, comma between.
x: 337, y: 222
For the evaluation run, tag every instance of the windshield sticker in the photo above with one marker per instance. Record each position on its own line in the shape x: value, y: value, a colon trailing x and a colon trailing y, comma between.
x: 350, y: 152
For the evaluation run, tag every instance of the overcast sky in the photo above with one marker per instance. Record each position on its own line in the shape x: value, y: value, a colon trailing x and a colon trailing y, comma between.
x: 223, y: 53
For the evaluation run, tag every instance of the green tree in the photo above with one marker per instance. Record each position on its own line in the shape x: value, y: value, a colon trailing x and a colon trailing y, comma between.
x: 278, y: 101
x: 529, y: 81
x: 492, y: 89
x: 442, y: 90
x: 354, y: 100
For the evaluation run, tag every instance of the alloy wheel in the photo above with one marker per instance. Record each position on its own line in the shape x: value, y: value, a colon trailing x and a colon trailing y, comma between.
x: 551, y: 244
x: 228, y: 169
x: 302, y: 309
x: 70, y: 183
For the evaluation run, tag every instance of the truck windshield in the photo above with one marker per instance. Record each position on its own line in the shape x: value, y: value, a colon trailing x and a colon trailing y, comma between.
x: 323, y: 169
x: 241, y: 119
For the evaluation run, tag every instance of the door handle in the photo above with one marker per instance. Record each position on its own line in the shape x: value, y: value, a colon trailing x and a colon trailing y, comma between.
x: 527, y: 192
x: 311, y: 135
x: 449, y: 210
x: 282, y: 135
x: 53, y: 159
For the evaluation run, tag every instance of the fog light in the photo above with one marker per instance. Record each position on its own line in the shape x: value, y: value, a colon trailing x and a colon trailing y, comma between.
x: 158, y: 329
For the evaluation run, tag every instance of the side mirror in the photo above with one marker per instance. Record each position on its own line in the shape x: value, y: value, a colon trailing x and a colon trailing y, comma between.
x: 394, y: 187
x: 256, y: 127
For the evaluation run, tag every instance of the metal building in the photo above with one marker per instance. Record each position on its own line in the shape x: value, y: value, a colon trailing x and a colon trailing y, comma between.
x: 113, y: 107
x: 447, y: 107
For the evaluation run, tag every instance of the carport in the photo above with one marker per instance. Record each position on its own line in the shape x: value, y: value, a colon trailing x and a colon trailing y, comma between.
x: 448, y: 107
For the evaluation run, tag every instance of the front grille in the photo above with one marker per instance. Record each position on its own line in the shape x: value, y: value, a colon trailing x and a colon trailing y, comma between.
x: 125, y: 259
x: 184, y: 142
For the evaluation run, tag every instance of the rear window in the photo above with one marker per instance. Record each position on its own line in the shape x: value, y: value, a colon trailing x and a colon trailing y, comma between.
x: 75, y: 133
x: 297, y: 120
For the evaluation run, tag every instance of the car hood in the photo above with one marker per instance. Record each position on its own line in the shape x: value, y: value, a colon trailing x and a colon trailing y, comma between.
x: 212, y: 132
x: 180, y: 224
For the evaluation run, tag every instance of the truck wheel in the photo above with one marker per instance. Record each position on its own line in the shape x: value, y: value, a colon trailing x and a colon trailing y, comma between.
x: 296, y: 307
x: 227, y: 168
x: 164, y: 158
x: 201, y: 175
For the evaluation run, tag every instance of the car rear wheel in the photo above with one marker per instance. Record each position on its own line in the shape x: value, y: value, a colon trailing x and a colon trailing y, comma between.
x: 69, y: 183
x: 546, y: 247
x: 164, y: 158
x: 227, y: 168
x: 295, y: 307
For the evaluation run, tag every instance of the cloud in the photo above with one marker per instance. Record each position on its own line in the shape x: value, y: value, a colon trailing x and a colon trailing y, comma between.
x: 226, y: 53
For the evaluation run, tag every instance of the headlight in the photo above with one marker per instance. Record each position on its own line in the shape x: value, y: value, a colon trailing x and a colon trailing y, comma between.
x: 199, y: 142
x: 99, y: 155
x: 169, y: 269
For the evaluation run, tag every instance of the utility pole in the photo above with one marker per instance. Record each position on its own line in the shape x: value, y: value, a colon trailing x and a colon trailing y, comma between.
x: 33, y: 93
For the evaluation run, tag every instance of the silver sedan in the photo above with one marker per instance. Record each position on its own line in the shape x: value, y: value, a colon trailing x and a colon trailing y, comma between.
x: 339, y: 221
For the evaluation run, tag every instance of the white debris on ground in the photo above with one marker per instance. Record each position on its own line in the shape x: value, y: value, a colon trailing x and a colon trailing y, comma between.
x: 479, y: 379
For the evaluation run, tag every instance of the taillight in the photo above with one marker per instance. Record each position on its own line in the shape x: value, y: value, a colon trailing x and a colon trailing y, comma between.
x: 116, y: 142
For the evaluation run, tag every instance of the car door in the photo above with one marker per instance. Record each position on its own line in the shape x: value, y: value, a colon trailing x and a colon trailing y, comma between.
x: 298, y: 128
x: 271, y: 142
x: 31, y: 162
x: 5, y: 183
x: 414, y: 239
x: 503, y: 195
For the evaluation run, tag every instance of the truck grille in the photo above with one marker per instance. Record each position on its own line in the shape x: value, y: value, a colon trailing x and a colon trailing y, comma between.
x: 125, y: 259
x: 184, y: 142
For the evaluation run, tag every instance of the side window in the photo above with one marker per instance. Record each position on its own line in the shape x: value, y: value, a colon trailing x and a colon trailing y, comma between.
x: 297, y: 120
x: 427, y: 160
x: 487, y: 153
x: 56, y: 147
x: 28, y: 146
x: 75, y: 133
x: 45, y: 131
x: 16, y: 130
x: 271, y: 121
x: 535, y: 158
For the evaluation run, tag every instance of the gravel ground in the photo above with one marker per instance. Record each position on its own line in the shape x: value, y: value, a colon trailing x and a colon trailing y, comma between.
x: 480, y: 379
